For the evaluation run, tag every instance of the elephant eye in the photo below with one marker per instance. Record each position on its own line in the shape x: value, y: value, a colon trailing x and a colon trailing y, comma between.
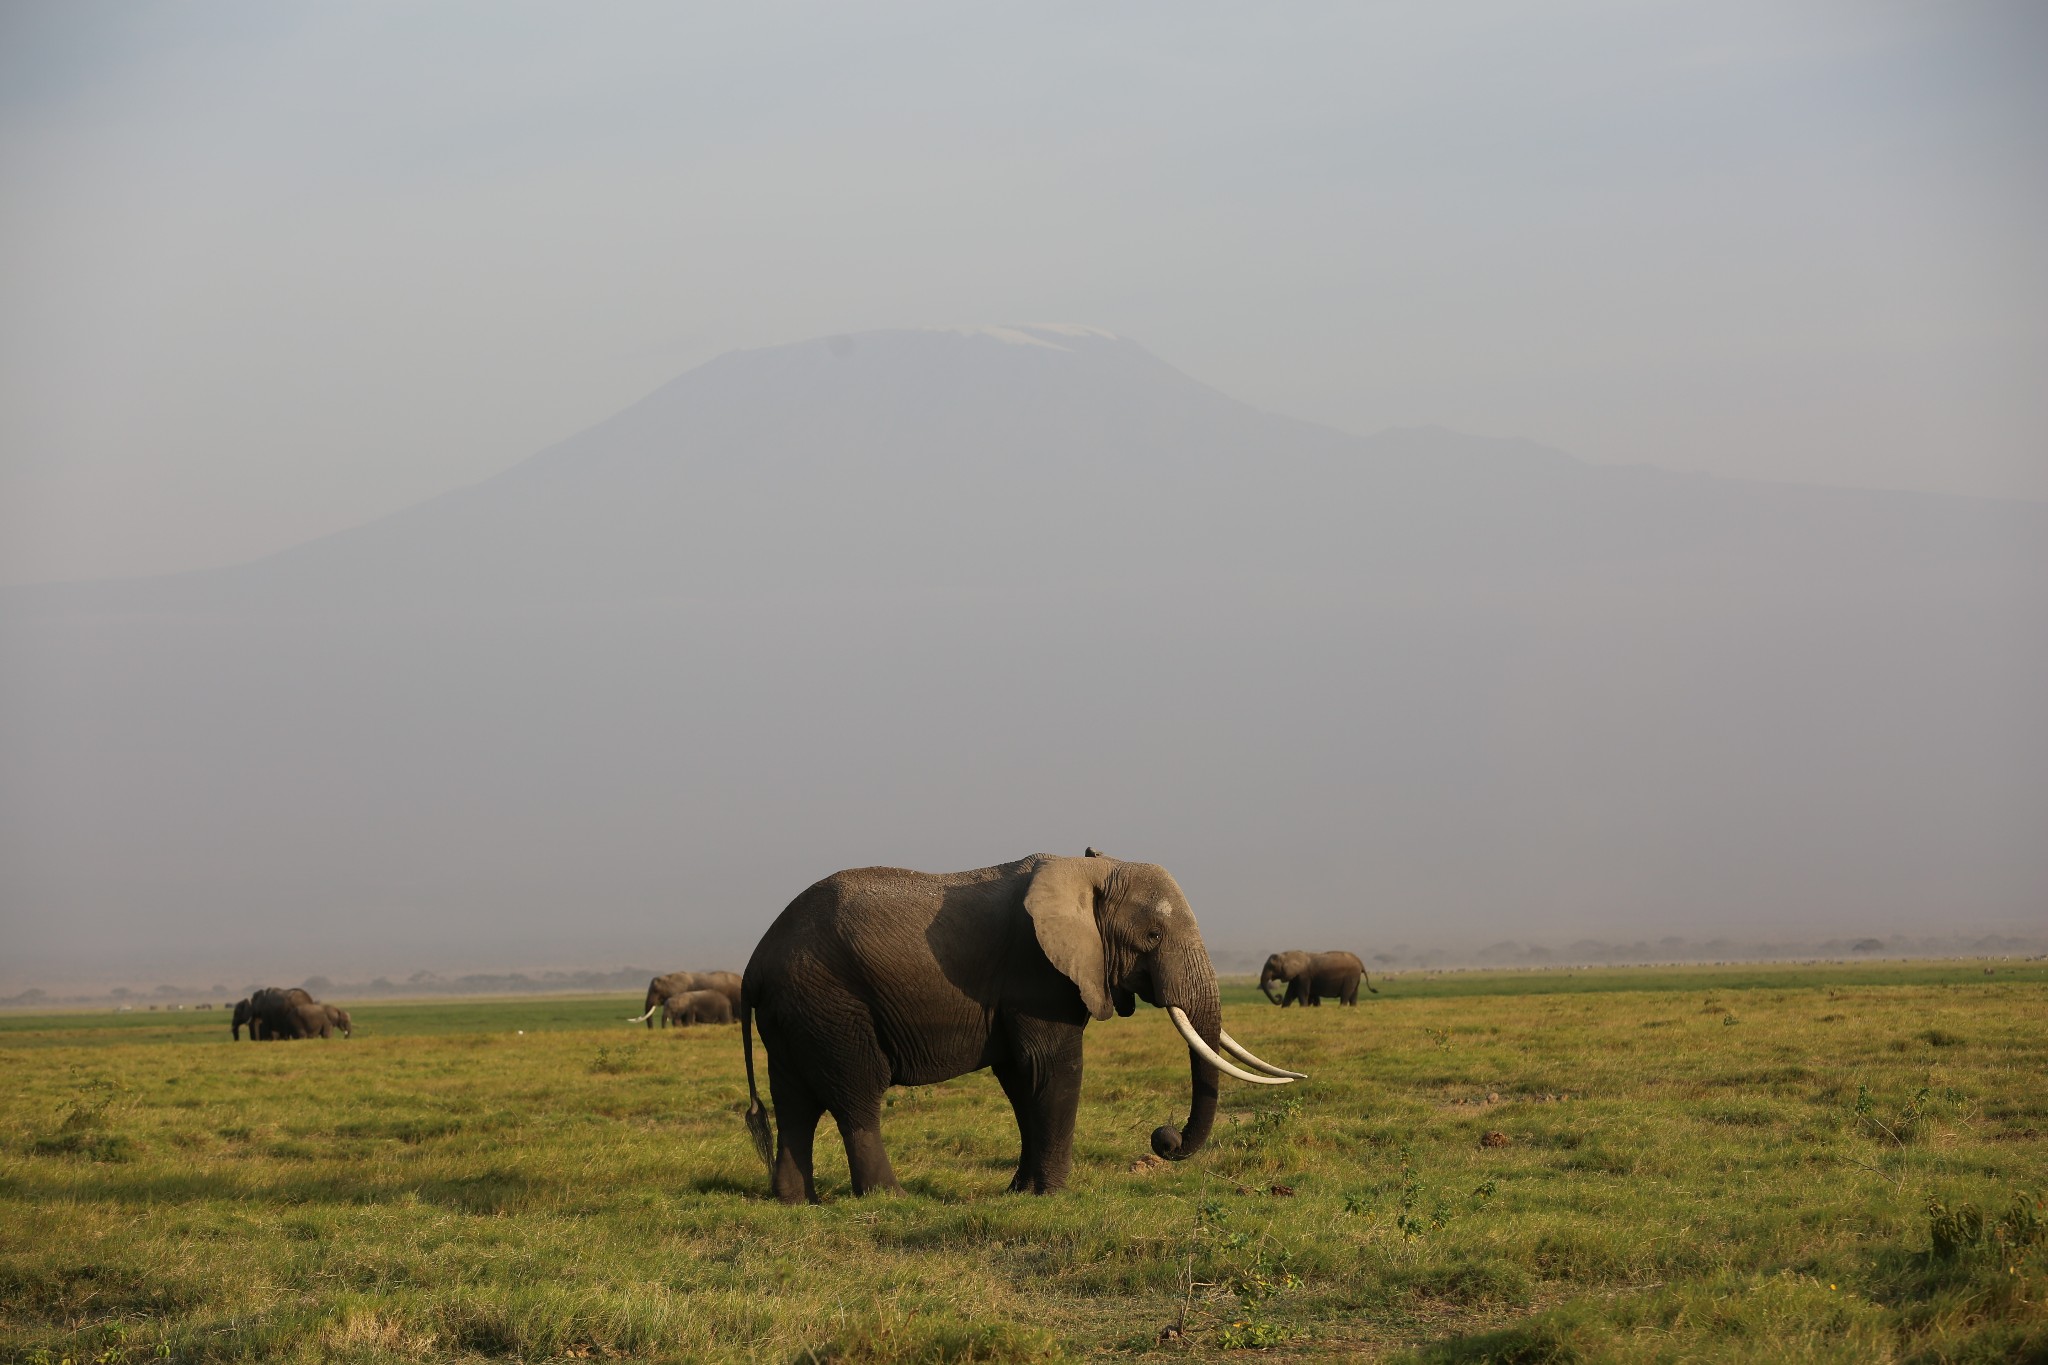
x: 1152, y: 939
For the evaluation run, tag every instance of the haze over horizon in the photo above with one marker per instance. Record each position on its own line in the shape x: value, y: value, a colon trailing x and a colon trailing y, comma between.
x: 946, y: 597
x: 483, y: 486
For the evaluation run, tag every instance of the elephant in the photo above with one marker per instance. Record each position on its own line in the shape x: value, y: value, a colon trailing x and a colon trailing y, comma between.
x: 306, y: 1019
x: 882, y: 976
x: 269, y: 1011
x: 697, y: 1007
x: 681, y: 983
x: 338, y: 1017
x: 1311, y: 976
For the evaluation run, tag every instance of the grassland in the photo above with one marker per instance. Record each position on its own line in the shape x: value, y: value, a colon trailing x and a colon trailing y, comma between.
x: 1717, y: 1164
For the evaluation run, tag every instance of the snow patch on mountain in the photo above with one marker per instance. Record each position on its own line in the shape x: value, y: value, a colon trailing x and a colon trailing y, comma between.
x: 1030, y: 334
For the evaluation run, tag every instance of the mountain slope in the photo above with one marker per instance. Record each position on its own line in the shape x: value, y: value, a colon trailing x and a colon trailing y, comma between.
x: 943, y: 598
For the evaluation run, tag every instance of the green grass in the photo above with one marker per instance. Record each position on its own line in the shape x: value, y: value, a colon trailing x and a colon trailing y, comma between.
x: 1826, y: 1163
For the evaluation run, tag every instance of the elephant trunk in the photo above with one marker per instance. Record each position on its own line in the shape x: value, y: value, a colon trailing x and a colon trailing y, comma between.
x: 1202, y: 1009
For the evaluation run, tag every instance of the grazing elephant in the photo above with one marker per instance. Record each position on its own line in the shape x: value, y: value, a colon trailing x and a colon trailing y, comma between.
x: 338, y: 1017
x: 882, y: 976
x: 1311, y: 976
x: 682, y: 983
x: 697, y: 1007
x: 270, y: 1012
x: 307, y: 1019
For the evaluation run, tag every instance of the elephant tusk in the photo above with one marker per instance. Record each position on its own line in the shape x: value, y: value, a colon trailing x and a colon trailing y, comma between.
x: 1245, y: 1055
x: 642, y: 1018
x: 1208, y: 1054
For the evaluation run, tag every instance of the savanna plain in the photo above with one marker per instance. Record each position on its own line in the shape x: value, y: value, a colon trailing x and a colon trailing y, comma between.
x: 1736, y: 1163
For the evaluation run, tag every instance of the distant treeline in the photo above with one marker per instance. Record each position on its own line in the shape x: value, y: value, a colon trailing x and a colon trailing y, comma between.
x: 1589, y: 952
x: 417, y: 984
x: 1231, y: 960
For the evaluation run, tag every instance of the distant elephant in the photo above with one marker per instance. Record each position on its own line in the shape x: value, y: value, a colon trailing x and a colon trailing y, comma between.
x: 882, y: 976
x: 308, y: 1019
x: 338, y: 1017
x: 269, y: 1012
x: 697, y: 1007
x: 1311, y: 976
x: 681, y: 983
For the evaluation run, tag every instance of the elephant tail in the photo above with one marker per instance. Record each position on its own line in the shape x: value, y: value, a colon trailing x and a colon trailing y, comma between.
x: 757, y: 1112
x: 1368, y: 983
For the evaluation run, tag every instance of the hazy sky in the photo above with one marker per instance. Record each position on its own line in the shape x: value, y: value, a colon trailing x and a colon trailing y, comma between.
x: 270, y: 269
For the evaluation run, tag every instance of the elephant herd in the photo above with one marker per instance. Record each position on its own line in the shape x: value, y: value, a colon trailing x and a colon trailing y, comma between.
x: 881, y: 976
x: 692, y: 998
x: 274, y: 1013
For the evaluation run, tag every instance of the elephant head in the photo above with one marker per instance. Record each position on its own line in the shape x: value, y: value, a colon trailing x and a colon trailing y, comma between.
x: 1281, y: 967
x: 242, y: 1016
x: 338, y: 1017
x: 1123, y: 932
x: 658, y: 992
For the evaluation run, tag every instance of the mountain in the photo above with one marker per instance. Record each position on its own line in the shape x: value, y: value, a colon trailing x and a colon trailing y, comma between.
x: 942, y: 598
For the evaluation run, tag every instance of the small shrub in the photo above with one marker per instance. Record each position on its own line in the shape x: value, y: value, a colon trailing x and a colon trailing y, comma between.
x: 1409, y: 1217
x: 1953, y: 1232
x: 613, y: 1061
x: 83, y: 1129
x: 1936, y: 1037
x: 1251, y: 1334
x: 1950, y: 1232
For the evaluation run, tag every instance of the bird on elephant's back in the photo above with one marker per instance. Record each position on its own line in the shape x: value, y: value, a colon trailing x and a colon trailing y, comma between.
x: 883, y: 976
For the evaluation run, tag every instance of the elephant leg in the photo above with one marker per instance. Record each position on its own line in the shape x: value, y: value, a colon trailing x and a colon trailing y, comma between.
x: 797, y: 1112
x: 866, y: 1160
x: 824, y: 1055
x: 1042, y: 1078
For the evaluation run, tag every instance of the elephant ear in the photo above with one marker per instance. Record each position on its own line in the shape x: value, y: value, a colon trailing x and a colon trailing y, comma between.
x: 1061, y: 902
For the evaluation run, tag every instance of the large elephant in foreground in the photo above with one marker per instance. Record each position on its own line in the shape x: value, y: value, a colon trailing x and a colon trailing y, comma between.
x: 882, y: 976
x: 682, y: 983
x: 1311, y: 976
